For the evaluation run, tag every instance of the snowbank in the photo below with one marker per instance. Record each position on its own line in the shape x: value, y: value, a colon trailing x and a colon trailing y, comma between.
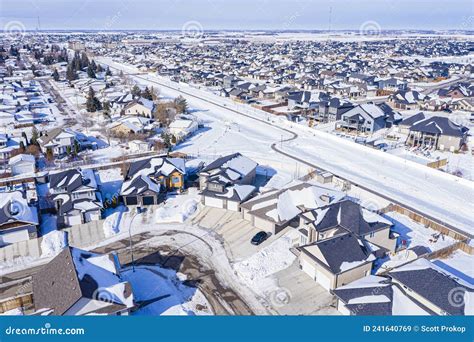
x: 53, y: 243
x: 270, y: 260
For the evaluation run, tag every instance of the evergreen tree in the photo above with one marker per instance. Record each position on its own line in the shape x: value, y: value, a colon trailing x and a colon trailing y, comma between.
x: 136, y: 91
x: 56, y: 75
x: 146, y: 94
x: 71, y: 74
x: 93, y: 66
x: 90, y: 72
x: 108, y: 72
x: 92, y: 104
x: 34, y: 136
x: 84, y: 60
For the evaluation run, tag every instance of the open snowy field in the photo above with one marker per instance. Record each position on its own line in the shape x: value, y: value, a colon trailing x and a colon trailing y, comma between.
x: 439, y: 195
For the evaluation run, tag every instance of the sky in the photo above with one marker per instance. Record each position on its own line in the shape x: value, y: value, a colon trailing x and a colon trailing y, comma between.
x: 237, y: 14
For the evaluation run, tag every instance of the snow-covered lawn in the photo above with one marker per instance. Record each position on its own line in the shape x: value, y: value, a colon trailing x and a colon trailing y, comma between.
x: 257, y: 270
x: 415, y: 234
x: 162, y: 291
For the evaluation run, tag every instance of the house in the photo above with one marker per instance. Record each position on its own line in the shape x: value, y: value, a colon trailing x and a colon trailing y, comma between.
x: 59, y: 141
x: 142, y: 107
x: 420, y: 277
x: 376, y: 296
x: 79, y: 283
x: 274, y: 210
x: 182, y: 127
x: 147, y: 178
x: 76, y: 196
x: 369, y: 118
x: 332, y: 110
x: 7, y: 145
x: 22, y: 164
x: 336, y: 261
x: 346, y: 216
x: 437, y: 132
x: 406, y: 99
x: 129, y: 125
x: 227, y: 181
x: 18, y: 218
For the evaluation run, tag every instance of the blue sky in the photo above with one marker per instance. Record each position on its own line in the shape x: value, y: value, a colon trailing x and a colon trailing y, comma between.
x: 238, y: 14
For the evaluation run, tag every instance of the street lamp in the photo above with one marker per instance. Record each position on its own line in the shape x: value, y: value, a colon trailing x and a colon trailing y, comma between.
x: 139, y: 211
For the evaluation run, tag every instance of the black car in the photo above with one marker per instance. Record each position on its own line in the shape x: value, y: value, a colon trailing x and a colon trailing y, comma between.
x: 259, y: 238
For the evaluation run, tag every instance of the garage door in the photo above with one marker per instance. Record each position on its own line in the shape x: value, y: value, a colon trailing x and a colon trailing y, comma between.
x: 131, y: 200
x: 233, y: 205
x: 148, y: 200
x: 323, y: 280
x: 214, y: 202
x: 308, y: 269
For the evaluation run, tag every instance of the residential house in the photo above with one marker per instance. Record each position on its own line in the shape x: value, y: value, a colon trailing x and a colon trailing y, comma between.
x: 59, y: 141
x: 274, y: 210
x: 437, y: 132
x: 435, y: 288
x: 376, y: 296
x: 78, y: 283
x: 22, y: 164
x: 345, y: 216
x: 336, y: 261
x: 76, y: 196
x: 183, y: 127
x: 407, y: 99
x: 147, y: 178
x: 18, y: 217
x: 227, y: 181
x: 140, y: 107
x: 369, y: 118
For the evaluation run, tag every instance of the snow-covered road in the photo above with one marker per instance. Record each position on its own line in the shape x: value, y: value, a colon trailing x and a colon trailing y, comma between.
x: 442, y: 196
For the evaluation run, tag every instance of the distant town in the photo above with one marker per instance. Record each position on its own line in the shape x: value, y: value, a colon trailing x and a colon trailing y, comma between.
x: 236, y: 173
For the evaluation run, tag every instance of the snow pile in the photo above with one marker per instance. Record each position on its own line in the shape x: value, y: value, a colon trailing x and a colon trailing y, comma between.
x: 165, y: 293
x: 270, y: 260
x: 53, y: 243
x: 178, y: 208
x: 112, y: 223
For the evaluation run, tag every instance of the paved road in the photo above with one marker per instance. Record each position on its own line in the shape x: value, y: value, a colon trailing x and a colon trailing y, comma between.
x: 293, y: 136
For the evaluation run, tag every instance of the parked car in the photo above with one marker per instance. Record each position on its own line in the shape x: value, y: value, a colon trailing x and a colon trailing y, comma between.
x: 259, y: 238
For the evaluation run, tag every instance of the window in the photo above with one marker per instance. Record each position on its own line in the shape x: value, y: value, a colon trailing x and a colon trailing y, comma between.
x: 372, y: 234
x: 175, y: 180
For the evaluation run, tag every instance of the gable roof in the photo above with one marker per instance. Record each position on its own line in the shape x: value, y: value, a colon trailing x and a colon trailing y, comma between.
x: 74, y: 274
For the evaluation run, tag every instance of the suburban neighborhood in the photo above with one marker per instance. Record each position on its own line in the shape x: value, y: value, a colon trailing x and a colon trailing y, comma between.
x: 236, y: 173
